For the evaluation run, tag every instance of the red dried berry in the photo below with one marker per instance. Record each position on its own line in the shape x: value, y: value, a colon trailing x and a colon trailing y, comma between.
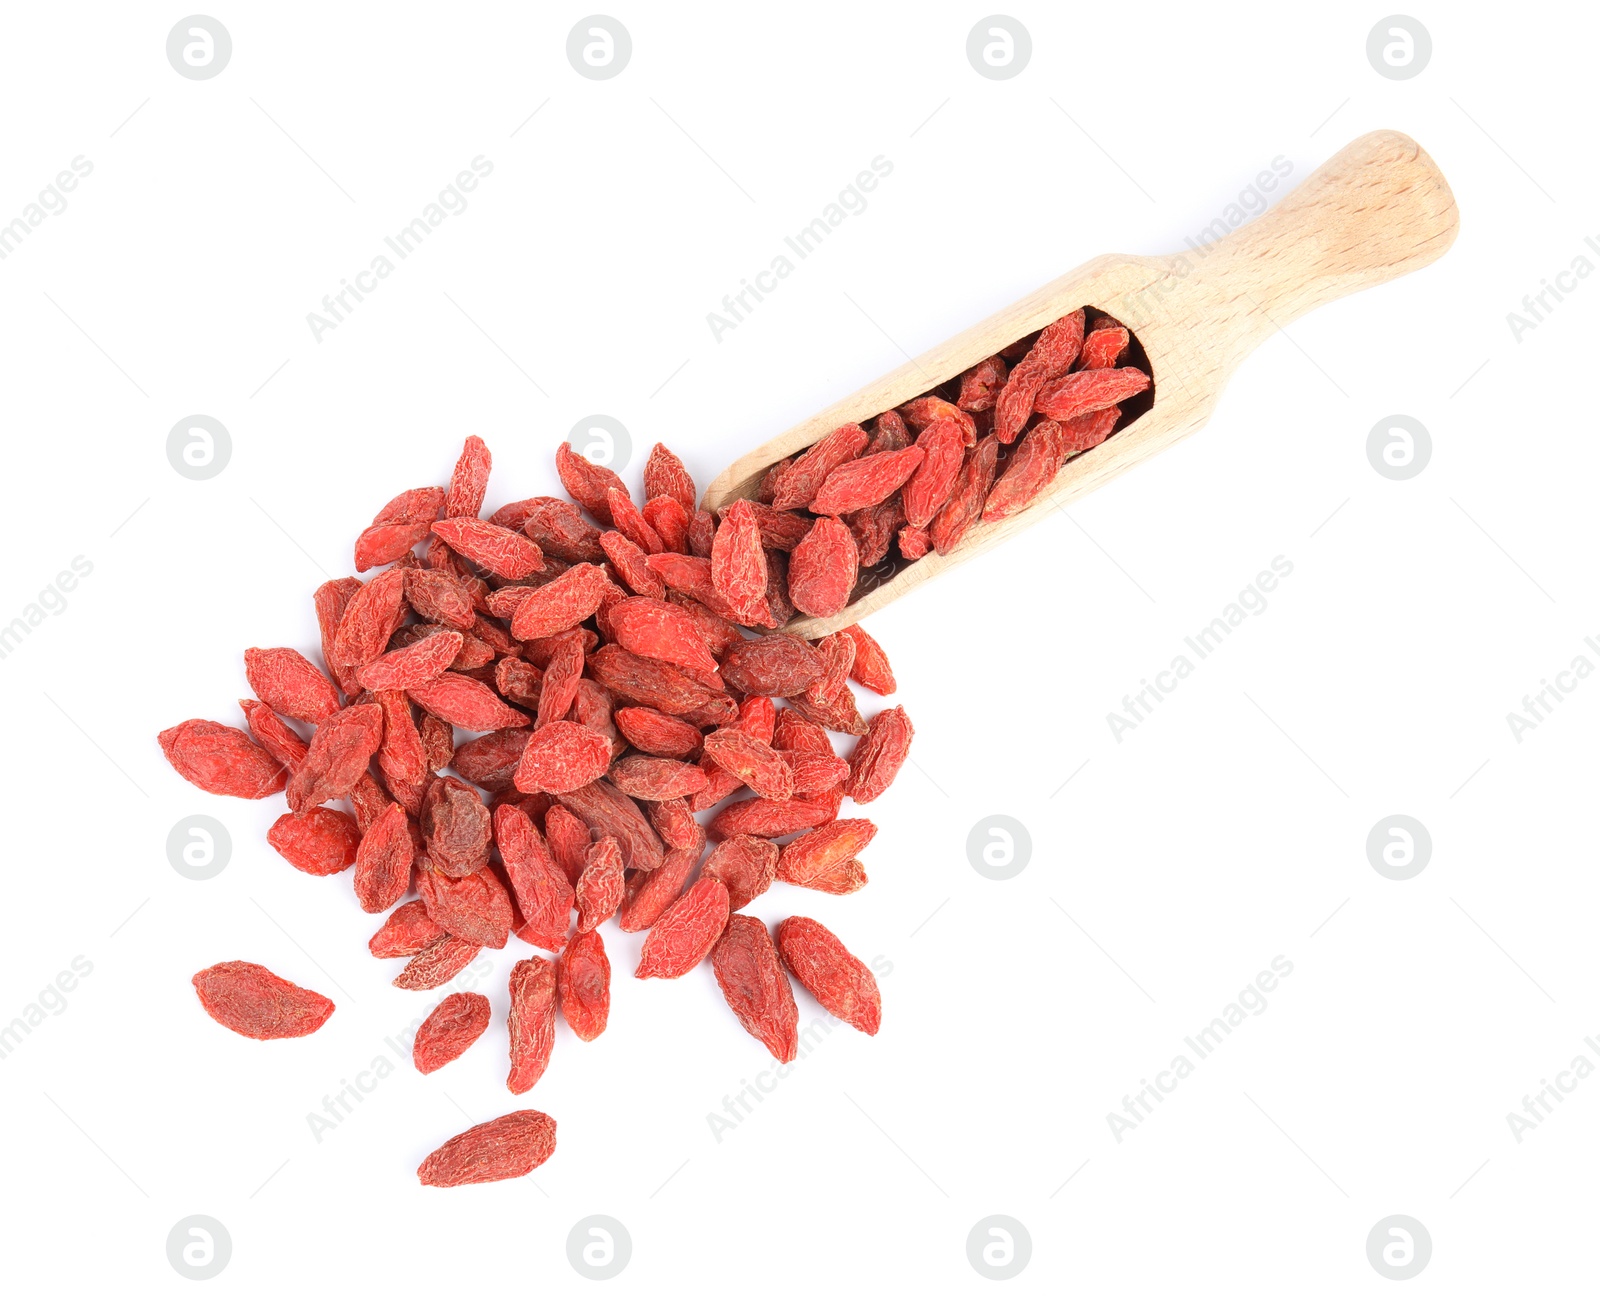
x: 449, y: 1031
x: 965, y: 504
x: 531, y: 1022
x: 1050, y: 356
x: 879, y: 756
x: 463, y: 701
x: 437, y: 964
x: 337, y: 757
x: 801, y: 479
x: 570, y: 599
x: 383, y: 861
x: 587, y: 482
x: 583, y: 977
x: 600, y: 888
x: 685, y: 933
x: 753, y: 982
x: 412, y: 666
x: 862, y: 483
x: 407, y: 931
x: 455, y: 824
x: 290, y: 685
x: 822, y: 570
x: 544, y: 893
x: 753, y: 762
x: 255, y: 1003
x: 664, y: 474
x: 1089, y: 390
x: 221, y: 760
x: 837, y: 980
x: 744, y: 864
x: 738, y: 567
x: 469, y: 481
x: 320, y: 841
x: 504, y: 1148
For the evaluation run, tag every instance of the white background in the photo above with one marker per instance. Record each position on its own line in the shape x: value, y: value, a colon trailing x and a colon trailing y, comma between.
x: 1227, y: 829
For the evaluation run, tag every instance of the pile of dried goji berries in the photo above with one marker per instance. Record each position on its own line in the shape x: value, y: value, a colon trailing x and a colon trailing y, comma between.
x: 611, y: 707
x: 925, y: 474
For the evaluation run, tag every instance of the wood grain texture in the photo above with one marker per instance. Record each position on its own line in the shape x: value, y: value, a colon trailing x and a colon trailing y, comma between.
x: 1377, y: 209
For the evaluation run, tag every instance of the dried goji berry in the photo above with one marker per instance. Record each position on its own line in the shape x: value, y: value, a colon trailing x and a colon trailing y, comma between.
x: 373, y: 613
x: 383, y: 861
x: 1088, y: 430
x: 586, y: 481
x: 469, y: 480
x: 610, y: 813
x: 455, y: 824
x: 837, y: 980
x: 657, y: 629
x: 656, y: 733
x: 280, y: 742
x: 509, y: 554
x: 1029, y: 470
x: 923, y: 412
x: 506, y: 1147
x: 656, y: 778
x: 645, y: 681
x: 762, y: 818
x: 221, y: 760
x: 1089, y: 390
x: 437, y: 964
x: 801, y: 479
x: 337, y: 756
x: 965, y: 504
x: 568, y: 600
x: 752, y: 762
x: 561, y: 531
x: 744, y: 864
x: 320, y: 841
x: 820, y: 858
x: 879, y: 756
x: 255, y: 1003
x: 776, y: 665
x: 738, y: 567
x: 600, y: 888
x: 822, y: 570
x: 862, y: 483
x: 649, y: 894
x: 583, y: 977
x: 981, y: 384
x: 290, y: 685
x: 1049, y: 357
x: 561, y: 757
x: 412, y: 666
x: 543, y: 892
x: 753, y: 982
x: 465, y: 702
x: 449, y: 1031
x: 870, y: 666
x: 625, y: 516
x: 406, y: 931
x: 670, y: 521
x: 685, y: 933
x: 489, y: 761
x: 931, y: 484
x: 664, y: 474
x: 1103, y: 347
x: 475, y: 907
x: 531, y: 1022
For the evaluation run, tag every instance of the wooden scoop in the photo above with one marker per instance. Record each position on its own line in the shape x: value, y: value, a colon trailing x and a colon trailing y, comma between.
x: 1376, y: 210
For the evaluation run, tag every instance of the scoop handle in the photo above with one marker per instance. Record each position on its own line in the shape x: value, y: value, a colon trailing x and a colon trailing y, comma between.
x: 1377, y: 209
